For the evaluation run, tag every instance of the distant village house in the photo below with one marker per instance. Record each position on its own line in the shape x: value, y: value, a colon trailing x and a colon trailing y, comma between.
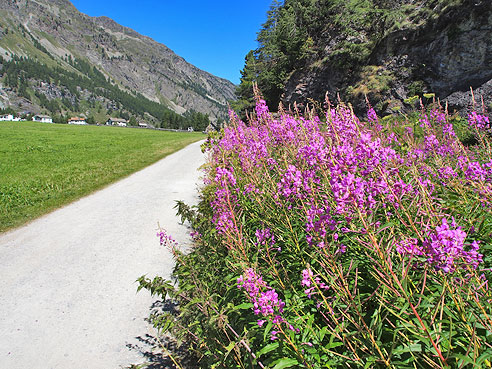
x: 120, y: 122
x: 9, y: 117
x: 145, y: 125
x: 6, y: 117
x: 76, y: 120
x: 42, y: 118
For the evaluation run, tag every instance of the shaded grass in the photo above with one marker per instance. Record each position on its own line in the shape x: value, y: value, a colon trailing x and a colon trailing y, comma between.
x: 44, y: 166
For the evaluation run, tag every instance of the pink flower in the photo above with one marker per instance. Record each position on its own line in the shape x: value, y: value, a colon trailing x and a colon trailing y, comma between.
x: 264, y: 298
x: 478, y: 121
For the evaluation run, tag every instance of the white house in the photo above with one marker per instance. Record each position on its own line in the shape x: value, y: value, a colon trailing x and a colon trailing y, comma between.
x: 76, y: 120
x: 6, y: 117
x: 120, y: 122
x: 42, y: 118
x: 145, y: 125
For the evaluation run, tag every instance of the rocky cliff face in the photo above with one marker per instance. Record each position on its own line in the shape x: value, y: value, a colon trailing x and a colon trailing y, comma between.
x: 134, y: 62
x: 446, y: 54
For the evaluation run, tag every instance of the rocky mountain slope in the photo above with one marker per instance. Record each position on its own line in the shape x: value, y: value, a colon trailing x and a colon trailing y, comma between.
x: 391, y: 52
x: 55, y: 33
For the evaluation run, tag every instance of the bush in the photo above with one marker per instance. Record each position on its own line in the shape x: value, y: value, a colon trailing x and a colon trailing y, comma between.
x: 333, y: 242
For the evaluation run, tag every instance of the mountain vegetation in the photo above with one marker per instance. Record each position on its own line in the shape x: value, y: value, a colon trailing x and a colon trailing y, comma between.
x: 388, y: 51
x: 325, y: 241
x: 57, y: 61
x: 17, y: 73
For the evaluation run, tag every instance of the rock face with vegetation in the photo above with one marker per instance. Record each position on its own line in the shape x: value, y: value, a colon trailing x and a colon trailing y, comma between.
x: 54, y: 34
x: 389, y: 51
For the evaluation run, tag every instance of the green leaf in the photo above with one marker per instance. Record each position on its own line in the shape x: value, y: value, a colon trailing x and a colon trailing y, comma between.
x: 370, y: 360
x: 285, y: 363
x: 245, y: 306
x: 464, y: 359
x: 332, y: 345
x: 484, y: 361
x: 410, y: 348
x: 384, y: 226
x: 268, y: 348
x: 267, y: 330
x: 230, y: 346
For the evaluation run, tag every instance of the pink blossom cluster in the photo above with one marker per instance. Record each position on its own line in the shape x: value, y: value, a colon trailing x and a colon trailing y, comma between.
x: 478, y: 121
x: 335, y: 171
x: 264, y: 298
x: 361, y: 171
x: 445, y: 248
x: 312, y: 282
x: 265, y: 237
x: 166, y: 239
x: 294, y: 184
x: 224, y: 200
x: 438, y: 116
x: 372, y: 116
x: 409, y: 247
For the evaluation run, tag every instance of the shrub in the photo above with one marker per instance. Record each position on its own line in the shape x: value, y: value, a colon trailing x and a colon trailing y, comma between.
x: 335, y: 242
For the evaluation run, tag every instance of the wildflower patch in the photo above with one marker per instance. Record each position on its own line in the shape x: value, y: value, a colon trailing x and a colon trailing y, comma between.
x: 330, y: 241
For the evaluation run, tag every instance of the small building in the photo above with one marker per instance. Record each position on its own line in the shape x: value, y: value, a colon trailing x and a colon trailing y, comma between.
x: 42, y: 118
x: 120, y: 122
x: 77, y: 120
x: 145, y: 125
x: 190, y: 129
x: 6, y: 117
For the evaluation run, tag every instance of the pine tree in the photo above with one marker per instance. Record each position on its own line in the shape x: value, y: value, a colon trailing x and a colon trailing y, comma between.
x: 244, y: 91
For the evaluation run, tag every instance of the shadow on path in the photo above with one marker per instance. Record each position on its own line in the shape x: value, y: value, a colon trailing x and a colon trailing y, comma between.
x: 150, y: 346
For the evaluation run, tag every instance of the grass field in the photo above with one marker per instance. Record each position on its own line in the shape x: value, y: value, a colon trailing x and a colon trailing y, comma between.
x: 44, y: 166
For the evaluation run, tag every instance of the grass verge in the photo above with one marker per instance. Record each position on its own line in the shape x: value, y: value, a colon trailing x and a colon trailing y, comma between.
x: 44, y: 166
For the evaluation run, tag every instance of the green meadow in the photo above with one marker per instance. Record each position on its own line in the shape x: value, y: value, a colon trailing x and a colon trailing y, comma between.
x: 44, y: 166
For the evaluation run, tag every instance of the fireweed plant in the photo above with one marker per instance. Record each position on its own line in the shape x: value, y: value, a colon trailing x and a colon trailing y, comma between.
x: 328, y: 241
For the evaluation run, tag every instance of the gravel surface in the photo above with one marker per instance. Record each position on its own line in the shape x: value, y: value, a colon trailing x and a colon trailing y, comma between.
x: 68, y: 293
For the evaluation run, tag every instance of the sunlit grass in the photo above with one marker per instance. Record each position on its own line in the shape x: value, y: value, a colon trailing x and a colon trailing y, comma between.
x: 44, y: 166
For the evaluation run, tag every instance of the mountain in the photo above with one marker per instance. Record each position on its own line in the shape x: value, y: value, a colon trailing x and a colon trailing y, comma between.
x: 387, y: 52
x: 54, y: 34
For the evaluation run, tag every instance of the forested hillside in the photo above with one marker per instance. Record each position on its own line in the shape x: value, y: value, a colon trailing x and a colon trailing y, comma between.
x: 58, y: 61
x: 386, y: 50
x: 60, y: 91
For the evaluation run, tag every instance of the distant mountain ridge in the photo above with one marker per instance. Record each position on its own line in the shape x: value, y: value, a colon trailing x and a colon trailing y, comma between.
x: 54, y: 32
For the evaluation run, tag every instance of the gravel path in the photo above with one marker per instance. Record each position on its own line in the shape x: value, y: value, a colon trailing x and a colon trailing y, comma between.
x: 68, y: 293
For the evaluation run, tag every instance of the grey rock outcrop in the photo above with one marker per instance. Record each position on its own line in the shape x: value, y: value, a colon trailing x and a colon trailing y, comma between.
x: 446, y: 54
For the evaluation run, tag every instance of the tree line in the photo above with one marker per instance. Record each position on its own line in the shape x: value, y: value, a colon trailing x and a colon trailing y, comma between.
x: 19, y: 72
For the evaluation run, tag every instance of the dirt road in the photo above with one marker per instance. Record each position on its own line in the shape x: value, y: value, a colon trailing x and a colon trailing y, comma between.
x: 68, y: 293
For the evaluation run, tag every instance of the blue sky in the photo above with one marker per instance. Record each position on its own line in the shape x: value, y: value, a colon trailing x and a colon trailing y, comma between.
x: 213, y: 35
